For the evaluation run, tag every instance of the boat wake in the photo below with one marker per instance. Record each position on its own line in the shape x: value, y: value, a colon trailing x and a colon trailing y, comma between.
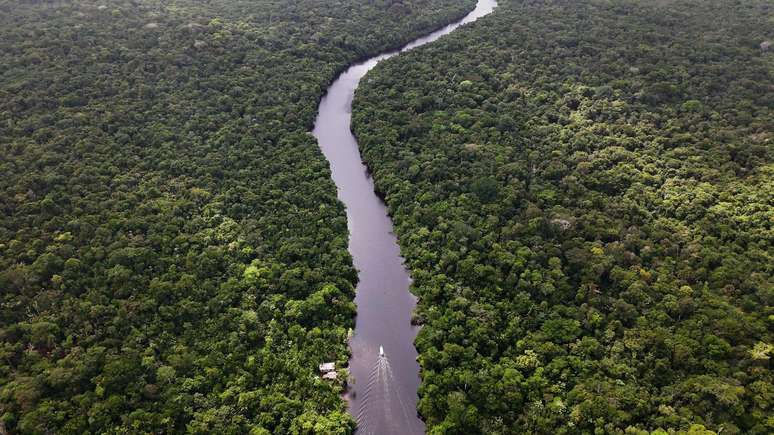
x: 381, y: 394
x: 380, y: 401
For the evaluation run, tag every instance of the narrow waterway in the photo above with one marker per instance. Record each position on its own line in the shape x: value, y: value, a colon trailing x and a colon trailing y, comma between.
x: 383, y: 397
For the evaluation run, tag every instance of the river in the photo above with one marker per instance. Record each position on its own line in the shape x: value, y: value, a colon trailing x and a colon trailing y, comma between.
x: 383, y: 396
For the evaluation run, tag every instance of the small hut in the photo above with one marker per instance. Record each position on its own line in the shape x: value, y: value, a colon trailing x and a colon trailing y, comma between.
x: 328, y: 371
x: 765, y: 45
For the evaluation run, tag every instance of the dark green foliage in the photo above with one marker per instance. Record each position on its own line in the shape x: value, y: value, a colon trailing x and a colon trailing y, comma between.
x: 172, y: 253
x: 584, y: 191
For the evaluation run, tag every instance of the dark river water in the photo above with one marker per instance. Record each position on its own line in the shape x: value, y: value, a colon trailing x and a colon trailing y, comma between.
x: 383, y: 396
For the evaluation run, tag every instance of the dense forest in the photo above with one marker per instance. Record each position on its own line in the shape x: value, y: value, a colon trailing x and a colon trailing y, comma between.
x: 584, y: 193
x: 172, y: 253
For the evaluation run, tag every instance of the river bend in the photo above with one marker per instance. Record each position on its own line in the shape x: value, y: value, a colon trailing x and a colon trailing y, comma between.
x: 383, y: 396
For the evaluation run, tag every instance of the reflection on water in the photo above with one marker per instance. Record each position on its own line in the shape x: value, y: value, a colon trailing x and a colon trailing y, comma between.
x: 384, y: 304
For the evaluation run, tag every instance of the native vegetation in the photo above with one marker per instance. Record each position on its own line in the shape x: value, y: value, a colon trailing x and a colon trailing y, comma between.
x: 172, y: 253
x: 584, y: 192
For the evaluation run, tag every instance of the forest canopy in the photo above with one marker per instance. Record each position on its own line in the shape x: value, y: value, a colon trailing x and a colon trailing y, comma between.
x: 173, y: 257
x: 584, y: 193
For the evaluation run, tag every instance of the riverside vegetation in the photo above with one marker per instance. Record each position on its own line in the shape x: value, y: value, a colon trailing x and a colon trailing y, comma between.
x: 584, y: 193
x: 172, y: 253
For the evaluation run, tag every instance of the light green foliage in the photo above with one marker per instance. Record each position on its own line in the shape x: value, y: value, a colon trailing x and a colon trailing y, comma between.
x: 173, y: 257
x: 584, y: 193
